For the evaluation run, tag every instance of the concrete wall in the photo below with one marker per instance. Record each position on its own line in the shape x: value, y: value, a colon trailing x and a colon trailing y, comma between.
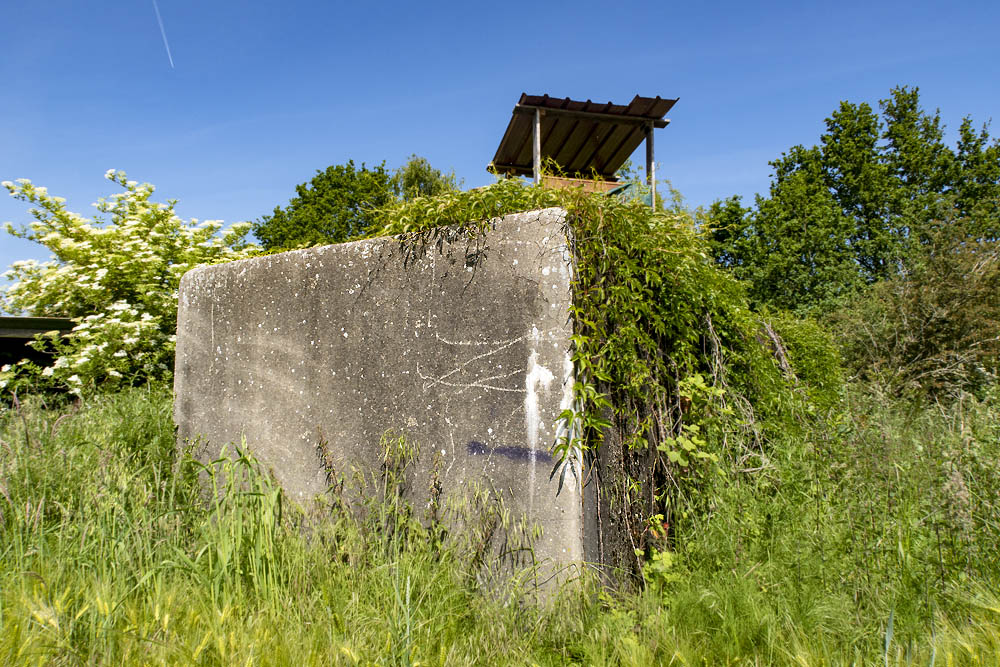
x: 463, y: 345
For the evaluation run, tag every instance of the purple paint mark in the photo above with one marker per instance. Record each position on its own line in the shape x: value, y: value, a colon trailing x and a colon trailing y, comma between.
x: 476, y: 448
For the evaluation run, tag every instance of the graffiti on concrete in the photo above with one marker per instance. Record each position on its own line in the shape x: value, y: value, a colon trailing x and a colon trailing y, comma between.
x: 476, y: 448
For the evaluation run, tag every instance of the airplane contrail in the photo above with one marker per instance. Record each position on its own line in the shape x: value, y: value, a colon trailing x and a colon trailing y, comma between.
x: 164, y: 33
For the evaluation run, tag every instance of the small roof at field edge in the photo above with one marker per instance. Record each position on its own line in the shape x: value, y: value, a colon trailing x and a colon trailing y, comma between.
x: 601, y: 137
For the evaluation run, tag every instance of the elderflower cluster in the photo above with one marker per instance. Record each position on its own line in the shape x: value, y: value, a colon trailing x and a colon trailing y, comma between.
x: 116, y: 275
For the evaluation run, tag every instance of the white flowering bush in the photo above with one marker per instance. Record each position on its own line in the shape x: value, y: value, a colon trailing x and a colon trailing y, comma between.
x: 116, y: 275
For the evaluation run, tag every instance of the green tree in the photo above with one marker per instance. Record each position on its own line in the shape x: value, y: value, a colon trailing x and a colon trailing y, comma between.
x: 336, y: 205
x: 977, y: 193
x: 417, y: 178
x: 731, y: 234
x: 855, y: 208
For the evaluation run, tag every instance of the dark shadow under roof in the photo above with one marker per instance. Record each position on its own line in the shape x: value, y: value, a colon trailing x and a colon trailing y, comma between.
x: 26, y: 327
x: 578, y: 135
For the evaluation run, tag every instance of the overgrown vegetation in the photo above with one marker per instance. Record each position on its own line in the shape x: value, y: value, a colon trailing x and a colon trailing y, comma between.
x: 777, y: 510
x: 796, y: 434
x: 670, y: 362
x: 114, y: 553
x: 870, y: 537
x: 890, y: 236
x: 934, y: 329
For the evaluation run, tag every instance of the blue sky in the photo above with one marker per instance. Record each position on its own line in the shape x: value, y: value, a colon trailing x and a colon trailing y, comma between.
x: 262, y: 94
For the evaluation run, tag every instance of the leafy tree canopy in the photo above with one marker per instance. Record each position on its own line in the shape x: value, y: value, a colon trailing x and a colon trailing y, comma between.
x: 338, y: 204
x: 334, y: 206
x: 417, y: 178
x: 853, y: 209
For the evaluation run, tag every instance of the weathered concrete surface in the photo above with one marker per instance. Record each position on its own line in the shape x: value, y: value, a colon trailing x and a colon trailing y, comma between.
x: 463, y: 345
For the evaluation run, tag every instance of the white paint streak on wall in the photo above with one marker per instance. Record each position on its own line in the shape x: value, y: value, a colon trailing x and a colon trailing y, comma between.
x: 574, y: 486
x: 567, y: 403
x: 567, y: 396
x: 537, y: 376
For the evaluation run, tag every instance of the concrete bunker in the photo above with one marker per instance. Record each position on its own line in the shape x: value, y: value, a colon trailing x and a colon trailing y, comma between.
x: 461, y: 342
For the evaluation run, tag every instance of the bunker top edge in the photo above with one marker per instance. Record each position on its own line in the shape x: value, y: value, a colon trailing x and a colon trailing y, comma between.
x: 553, y: 215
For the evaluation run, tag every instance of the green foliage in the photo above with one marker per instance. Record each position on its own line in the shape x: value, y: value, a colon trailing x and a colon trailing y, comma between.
x: 935, y: 328
x: 117, y: 277
x: 477, y: 206
x: 336, y: 205
x: 665, y: 346
x: 341, y: 203
x: 887, y: 233
x: 113, y: 554
x: 880, y: 509
x: 794, y: 250
x: 667, y: 197
x: 417, y: 178
x: 806, y: 350
x: 854, y: 209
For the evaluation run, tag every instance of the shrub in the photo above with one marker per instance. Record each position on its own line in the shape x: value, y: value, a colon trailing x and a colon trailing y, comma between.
x: 935, y: 328
x: 807, y: 351
x: 117, y: 278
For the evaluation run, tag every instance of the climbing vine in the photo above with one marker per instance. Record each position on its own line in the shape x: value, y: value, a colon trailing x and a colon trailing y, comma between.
x: 669, y: 360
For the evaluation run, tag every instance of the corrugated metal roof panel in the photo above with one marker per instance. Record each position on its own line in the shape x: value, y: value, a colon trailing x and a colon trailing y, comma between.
x: 579, y: 136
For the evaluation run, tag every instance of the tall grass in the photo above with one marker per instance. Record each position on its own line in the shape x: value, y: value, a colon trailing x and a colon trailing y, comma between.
x: 116, y: 549
x: 872, y: 532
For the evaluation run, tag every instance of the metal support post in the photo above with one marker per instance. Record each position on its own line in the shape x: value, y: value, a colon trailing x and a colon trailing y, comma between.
x: 537, y: 146
x: 650, y: 164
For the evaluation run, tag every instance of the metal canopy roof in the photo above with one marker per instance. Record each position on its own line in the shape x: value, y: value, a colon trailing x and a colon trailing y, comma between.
x: 578, y: 135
